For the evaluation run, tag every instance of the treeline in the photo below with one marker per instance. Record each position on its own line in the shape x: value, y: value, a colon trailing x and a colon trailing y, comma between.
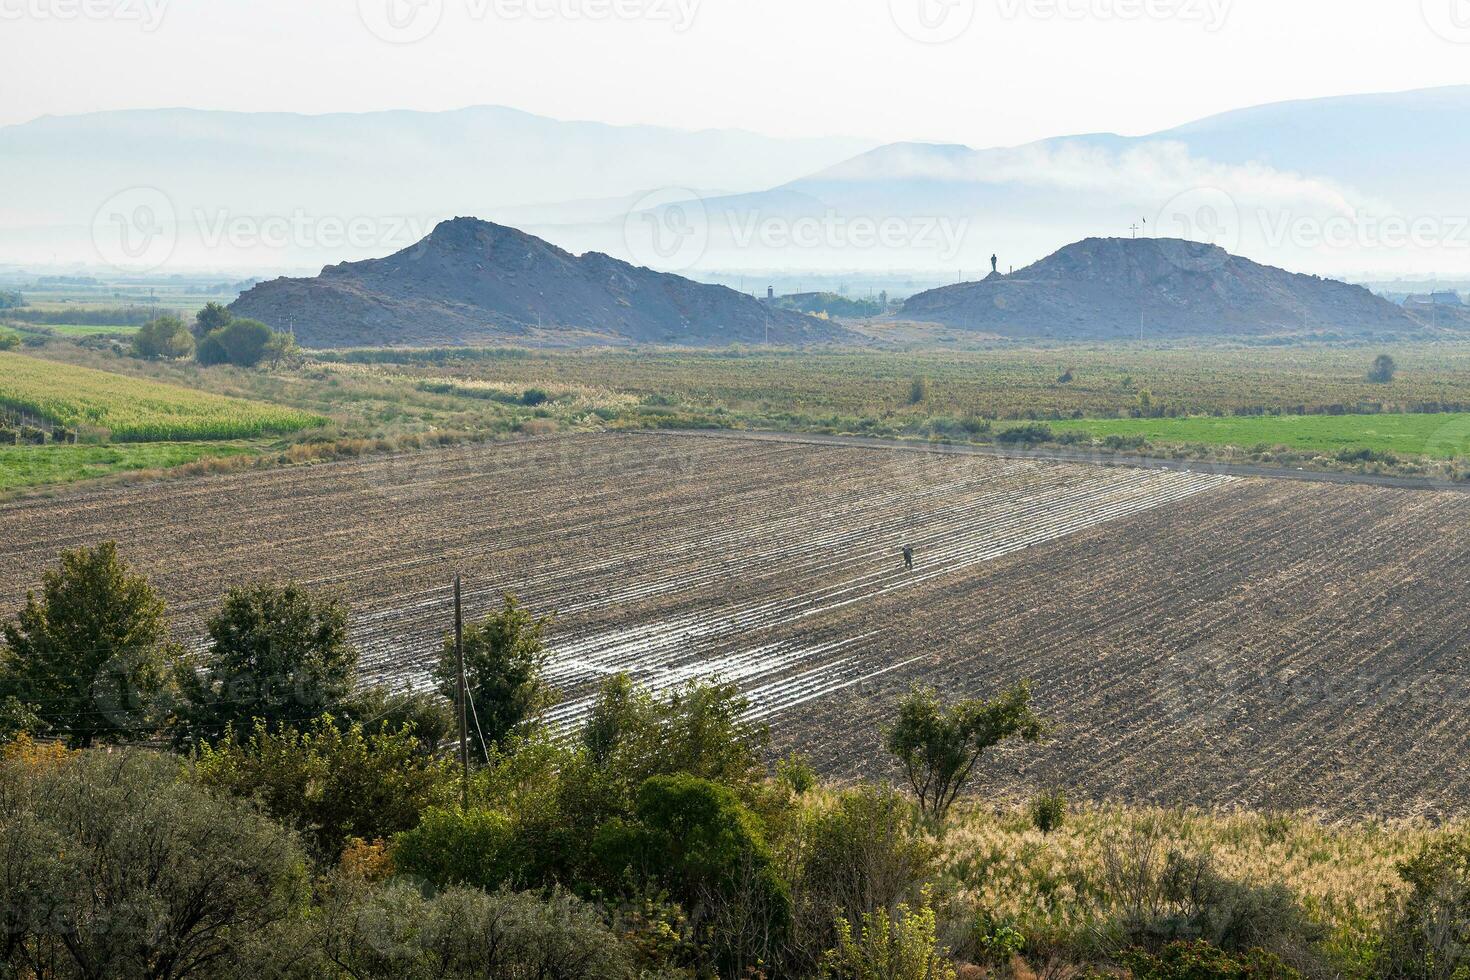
x: 253, y: 810
x: 118, y: 316
x: 215, y: 337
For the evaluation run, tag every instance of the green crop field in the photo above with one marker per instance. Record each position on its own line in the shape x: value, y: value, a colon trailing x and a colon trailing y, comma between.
x: 135, y: 409
x: 88, y: 330
x: 1439, y: 436
x: 33, y: 466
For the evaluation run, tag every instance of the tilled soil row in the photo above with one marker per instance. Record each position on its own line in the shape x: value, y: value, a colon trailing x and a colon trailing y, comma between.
x: 1197, y: 638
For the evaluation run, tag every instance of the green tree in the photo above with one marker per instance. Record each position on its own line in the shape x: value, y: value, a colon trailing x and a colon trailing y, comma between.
x: 280, y: 347
x: 277, y: 653
x: 11, y: 300
x: 245, y: 341
x: 504, y: 655
x: 115, y: 866
x: 210, y: 319
x: 332, y: 784
x: 453, y: 848
x: 700, y: 729
x: 1383, y: 370
x: 163, y: 338
x: 91, y: 656
x: 210, y: 350
x: 1429, y: 935
x: 939, y: 747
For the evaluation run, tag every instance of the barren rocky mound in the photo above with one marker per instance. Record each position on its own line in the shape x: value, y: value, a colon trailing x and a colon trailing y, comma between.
x: 1104, y: 288
x: 472, y: 281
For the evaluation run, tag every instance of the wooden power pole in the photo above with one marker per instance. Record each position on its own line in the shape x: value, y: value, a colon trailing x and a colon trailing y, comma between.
x: 464, y: 748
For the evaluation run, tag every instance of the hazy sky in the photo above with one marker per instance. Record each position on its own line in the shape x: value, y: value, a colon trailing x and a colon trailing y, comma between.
x: 983, y: 72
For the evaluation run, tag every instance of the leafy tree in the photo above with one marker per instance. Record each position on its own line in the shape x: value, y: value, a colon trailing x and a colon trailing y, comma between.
x: 277, y: 653
x: 377, y: 710
x: 1383, y: 370
x: 331, y: 784
x: 163, y: 338
x: 245, y: 341
x: 1429, y: 937
x: 699, y: 729
x: 280, y: 347
x: 91, y: 656
x: 210, y: 319
x: 116, y: 867
x: 10, y: 300
x: 210, y: 350
x: 504, y: 654
x: 939, y: 747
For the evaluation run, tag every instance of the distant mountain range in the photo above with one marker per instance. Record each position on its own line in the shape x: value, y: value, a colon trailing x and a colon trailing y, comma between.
x: 1120, y: 288
x: 1353, y: 187
x: 271, y: 191
x: 474, y: 282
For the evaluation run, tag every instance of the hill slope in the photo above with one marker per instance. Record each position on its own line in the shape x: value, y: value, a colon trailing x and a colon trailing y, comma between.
x: 1104, y: 288
x: 472, y: 281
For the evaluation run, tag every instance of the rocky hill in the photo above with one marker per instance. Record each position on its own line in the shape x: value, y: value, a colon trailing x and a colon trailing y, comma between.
x: 472, y: 281
x: 1104, y: 288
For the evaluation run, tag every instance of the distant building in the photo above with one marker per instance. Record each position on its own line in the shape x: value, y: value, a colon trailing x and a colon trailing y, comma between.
x: 770, y: 294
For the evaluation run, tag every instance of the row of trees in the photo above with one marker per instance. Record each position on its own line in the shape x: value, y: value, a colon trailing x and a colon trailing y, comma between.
x: 216, y: 336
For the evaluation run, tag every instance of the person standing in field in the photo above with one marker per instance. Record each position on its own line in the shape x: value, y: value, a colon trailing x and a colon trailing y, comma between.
x: 908, y: 557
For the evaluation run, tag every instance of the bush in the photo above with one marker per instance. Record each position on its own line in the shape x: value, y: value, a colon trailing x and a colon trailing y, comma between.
x: 695, y: 839
x: 1429, y: 937
x: 240, y: 342
x: 453, y: 848
x: 277, y: 654
x: 865, y: 853
x: 331, y: 784
x: 1200, y: 961
x: 535, y: 396
x: 1031, y: 432
x: 115, y: 866
x: 165, y: 337
x: 395, y: 932
x: 92, y: 656
x: 1383, y: 370
x: 1049, y: 810
x: 898, y: 945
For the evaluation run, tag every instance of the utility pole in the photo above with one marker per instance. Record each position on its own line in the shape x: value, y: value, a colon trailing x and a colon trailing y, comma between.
x: 464, y: 747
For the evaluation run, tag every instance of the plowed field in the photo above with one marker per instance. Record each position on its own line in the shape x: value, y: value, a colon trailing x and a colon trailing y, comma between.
x: 1198, y: 638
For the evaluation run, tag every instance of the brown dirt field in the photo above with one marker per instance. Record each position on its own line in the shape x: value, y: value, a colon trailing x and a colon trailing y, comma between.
x: 1198, y: 639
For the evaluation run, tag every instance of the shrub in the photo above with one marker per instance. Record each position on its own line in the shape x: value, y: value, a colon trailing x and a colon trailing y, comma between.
x: 165, y: 337
x: 115, y: 866
x: 1383, y: 370
x: 695, y: 839
x: 866, y: 852
x: 1049, y: 810
x: 939, y: 747
x: 331, y: 784
x: 898, y: 945
x: 918, y: 391
x: 92, y: 655
x: 240, y: 342
x: 395, y: 932
x: 1199, y: 960
x: 1429, y: 936
x: 796, y: 774
x: 1031, y: 432
x: 453, y: 848
x: 535, y: 396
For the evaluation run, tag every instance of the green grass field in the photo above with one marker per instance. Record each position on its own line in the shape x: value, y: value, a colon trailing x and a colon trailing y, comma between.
x: 1439, y: 436
x: 33, y: 466
x: 135, y: 409
x: 88, y: 330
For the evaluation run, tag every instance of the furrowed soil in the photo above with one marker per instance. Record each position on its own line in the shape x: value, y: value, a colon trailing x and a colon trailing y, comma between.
x: 1197, y: 638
